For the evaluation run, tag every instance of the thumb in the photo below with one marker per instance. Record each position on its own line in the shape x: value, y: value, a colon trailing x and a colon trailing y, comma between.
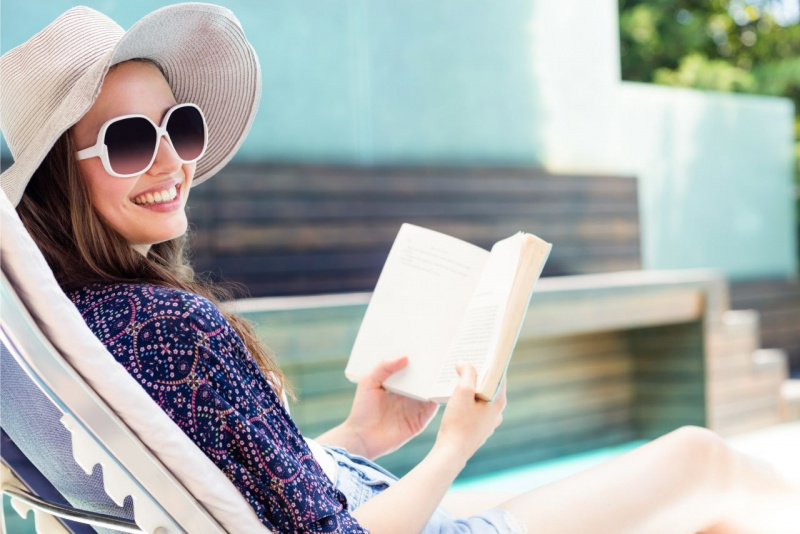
x: 385, y: 369
x: 467, y: 374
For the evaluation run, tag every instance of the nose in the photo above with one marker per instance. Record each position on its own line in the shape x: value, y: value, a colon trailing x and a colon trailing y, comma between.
x: 167, y: 160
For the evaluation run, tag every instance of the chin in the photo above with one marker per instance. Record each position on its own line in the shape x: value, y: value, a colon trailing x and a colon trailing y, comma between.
x: 163, y: 238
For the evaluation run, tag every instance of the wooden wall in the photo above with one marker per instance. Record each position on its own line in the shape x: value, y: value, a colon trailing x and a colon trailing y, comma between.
x: 289, y: 230
x: 670, y: 377
x: 777, y: 302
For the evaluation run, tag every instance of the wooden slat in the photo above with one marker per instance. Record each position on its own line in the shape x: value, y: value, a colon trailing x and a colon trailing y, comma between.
x: 677, y: 394
x: 284, y: 229
x: 271, y: 208
x: 756, y: 291
x: 356, y: 234
x: 778, y: 303
x: 317, y: 282
x: 247, y: 179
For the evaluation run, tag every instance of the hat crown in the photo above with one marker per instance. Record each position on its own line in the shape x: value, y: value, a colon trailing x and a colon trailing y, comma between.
x: 38, y: 75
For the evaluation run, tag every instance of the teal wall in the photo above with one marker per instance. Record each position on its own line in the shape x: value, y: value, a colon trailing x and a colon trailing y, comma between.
x: 519, y: 82
x: 716, y: 179
x: 366, y: 82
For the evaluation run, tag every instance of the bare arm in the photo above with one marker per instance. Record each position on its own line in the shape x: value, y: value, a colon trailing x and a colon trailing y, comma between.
x: 408, y: 504
x: 342, y: 436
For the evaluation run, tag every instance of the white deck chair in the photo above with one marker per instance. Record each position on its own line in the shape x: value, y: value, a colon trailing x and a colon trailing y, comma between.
x: 68, y: 406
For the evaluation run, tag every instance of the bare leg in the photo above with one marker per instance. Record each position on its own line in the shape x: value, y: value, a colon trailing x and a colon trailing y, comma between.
x: 685, y: 482
x: 467, y: 503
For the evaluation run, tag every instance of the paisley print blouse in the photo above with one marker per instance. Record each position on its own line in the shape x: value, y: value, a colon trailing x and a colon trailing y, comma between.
x: 192, y: 362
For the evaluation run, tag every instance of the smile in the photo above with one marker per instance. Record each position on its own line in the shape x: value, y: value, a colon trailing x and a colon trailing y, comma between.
x: 158, y: 197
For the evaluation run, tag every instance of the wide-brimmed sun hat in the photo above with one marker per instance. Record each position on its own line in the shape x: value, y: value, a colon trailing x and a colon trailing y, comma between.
x: 49, y: 82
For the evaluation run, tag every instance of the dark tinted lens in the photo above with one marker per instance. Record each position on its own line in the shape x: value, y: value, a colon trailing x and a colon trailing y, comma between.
x: 131, y: 144
x: 185, y: 128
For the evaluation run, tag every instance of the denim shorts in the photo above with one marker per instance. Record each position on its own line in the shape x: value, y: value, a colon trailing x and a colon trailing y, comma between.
x: 361, y: 479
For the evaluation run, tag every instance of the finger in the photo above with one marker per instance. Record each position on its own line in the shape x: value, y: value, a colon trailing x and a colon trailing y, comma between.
x: 468, y: 375
x: 431, y: 408
x: 385, y: 369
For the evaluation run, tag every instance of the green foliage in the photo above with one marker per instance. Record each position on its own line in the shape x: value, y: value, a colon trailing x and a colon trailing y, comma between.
x: 699, y: 72
x: 719, y: 45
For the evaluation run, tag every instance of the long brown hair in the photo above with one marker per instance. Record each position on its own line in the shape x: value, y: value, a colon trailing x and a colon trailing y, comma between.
x: 82, y: 249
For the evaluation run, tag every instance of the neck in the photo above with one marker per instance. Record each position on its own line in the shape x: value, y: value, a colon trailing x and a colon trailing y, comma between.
x: 142, y: 249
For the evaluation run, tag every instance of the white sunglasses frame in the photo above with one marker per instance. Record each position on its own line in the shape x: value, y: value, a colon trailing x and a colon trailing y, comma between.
x: 99, y: 149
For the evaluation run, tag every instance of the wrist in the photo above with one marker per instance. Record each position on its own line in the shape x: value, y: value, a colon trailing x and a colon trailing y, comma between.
x: 449, y: 454
x: 357, y: 439
x: 452, y: 450
x: 347, y: 436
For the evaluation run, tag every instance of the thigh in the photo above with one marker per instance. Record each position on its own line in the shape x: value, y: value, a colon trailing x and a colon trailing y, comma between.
x: 469, y: 502
x: 492, y: 521
x: 663, y: 487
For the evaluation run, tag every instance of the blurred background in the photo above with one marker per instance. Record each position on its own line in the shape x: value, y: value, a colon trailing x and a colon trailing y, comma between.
x: 696, y: 100
x: 654, y: 143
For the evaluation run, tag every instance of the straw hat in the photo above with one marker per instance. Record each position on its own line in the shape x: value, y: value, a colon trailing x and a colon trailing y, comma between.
x: 49, y: 82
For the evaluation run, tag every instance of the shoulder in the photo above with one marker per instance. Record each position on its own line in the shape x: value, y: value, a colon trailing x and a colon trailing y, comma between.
x: 109, y: 294
x: 112, y: 309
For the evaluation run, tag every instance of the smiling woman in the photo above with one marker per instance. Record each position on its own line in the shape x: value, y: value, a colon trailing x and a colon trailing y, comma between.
x: 95, y: 205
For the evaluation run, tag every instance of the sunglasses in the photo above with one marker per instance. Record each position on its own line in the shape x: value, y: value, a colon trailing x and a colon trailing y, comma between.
x: 127, y: 145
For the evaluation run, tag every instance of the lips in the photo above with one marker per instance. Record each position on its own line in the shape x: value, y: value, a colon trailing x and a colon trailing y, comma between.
x: 157, y: 197
x: 160, y: 194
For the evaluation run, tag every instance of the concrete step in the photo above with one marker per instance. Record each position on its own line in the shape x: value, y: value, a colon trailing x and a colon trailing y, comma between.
x: 751, y: 397
x: 745, y: 422
x: 765, y: 369
x: 730, y: 344
x: 790, y: 400
x: 770, y: 360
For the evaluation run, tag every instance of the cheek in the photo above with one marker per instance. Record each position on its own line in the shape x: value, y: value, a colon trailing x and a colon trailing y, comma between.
x: 106, y: 192
x: 189, y: 170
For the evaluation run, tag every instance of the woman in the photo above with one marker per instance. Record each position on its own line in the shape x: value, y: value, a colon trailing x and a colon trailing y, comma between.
x: 108, y: 137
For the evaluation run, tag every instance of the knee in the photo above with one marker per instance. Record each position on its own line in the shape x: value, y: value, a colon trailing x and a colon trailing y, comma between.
x: 696, y: 442
x: 704, y: 455
x: 697, y: 438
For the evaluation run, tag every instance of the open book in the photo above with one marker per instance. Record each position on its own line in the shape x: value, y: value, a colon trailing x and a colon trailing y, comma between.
x: 440, y: 300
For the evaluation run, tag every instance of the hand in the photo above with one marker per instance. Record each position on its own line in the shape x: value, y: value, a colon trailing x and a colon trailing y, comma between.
x: 468, y: 422
x: 384, y: 421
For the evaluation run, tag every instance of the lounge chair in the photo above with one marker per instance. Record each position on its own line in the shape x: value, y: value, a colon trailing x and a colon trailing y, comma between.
x: 82, y: 441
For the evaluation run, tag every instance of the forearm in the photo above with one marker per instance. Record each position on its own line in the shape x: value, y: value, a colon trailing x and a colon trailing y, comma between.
x: 343, y: 436
x: 408, y: 504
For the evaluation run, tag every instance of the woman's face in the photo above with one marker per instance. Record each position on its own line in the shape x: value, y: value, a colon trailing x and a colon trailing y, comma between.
x: 136, y: 88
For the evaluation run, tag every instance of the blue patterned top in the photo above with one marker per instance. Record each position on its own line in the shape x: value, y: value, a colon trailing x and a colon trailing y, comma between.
x: 191, y: 361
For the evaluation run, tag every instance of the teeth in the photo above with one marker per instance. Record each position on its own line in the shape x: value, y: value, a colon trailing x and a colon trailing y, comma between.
x: 157, y: 197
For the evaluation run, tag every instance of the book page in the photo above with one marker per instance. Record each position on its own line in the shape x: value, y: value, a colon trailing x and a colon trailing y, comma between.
x: 416, y: 307
x: 481, y: 326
